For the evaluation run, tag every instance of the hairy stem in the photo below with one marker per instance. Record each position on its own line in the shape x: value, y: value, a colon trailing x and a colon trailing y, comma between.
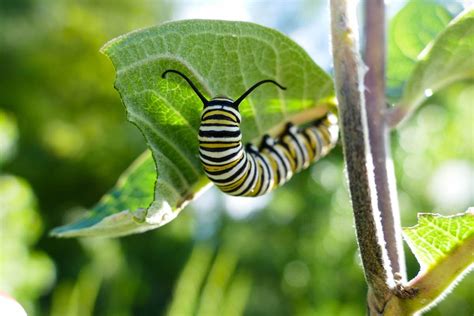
x: 349, y: 71
x: 374, y: 58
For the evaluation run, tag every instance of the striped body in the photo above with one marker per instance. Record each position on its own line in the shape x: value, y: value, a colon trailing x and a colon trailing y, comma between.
x: 249, y: 171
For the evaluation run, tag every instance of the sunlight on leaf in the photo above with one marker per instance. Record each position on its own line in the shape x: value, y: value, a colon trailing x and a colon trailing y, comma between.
x: 444, y: 248
x: 446, y: 60
x: 436, y: 236
x: 409, y: 32
x: 222, y: 58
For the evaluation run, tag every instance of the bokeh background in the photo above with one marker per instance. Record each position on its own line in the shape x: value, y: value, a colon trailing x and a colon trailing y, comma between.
x: 64, y: 140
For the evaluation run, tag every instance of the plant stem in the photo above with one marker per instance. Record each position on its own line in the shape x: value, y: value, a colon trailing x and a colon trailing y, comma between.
x: 349, y: 71
x: 374, y: 58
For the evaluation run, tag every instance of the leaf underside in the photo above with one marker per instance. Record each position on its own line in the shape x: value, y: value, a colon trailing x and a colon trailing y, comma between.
x: 221, y: 58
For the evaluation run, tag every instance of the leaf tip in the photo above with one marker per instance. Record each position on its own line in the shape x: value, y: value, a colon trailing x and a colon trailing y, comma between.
x: 75, y: 229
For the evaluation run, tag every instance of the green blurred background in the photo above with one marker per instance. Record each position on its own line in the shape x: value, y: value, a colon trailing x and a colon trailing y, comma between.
x: 64, y: 140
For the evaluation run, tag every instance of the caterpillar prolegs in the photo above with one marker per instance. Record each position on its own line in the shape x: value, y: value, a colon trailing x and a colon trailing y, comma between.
x: 249, y: 170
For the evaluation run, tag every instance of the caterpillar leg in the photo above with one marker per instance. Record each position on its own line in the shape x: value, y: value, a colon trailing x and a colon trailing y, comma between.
x: 267, y: 142
x: 291, y: 128
x: 251, y: 148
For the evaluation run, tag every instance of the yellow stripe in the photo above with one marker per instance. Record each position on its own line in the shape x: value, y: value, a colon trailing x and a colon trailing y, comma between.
x: 289, y: 158
x: 224, y: 122
x: 258, y: 185
x: 273, y: 166
x: 309, y: 150
x: 219, y: 112
x: 314, y: 142
x: 326, y: 136
x: 289, y: 142
x: 218, y: 145
x: 222, y: 167
x: 236, y: 184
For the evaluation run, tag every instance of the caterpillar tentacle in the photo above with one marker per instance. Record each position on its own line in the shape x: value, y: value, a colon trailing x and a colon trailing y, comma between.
x: 249, y: 170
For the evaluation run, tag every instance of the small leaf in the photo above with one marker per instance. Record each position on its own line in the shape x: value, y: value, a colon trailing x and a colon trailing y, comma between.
x: 446, y: 60
x: 222, y: 58
x: 444, y: 247
x: 436, y: 236
x: 409, y: 32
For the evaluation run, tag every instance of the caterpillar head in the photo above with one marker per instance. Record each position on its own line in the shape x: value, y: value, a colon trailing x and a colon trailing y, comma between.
x: 222, y: 100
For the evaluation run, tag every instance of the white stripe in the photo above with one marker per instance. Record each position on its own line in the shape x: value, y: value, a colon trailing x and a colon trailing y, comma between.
x: 248, y: 180
x: 229, y: 173
x: 221, y: 139
x: 294, y: 146
x: 220, y: 128
x: 246, y: 168
x: 264, y: 177
x: 220, y: 154
x: 269, y: 172
x: 305, y: 150
x: 213, y: 163
x: 280, y: 150
x: 284, y: 177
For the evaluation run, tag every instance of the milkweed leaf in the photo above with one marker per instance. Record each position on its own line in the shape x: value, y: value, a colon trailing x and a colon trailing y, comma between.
x: 409, y: 32
x: 444, y: 248
x: 221, y: 58
x: 444, y: 61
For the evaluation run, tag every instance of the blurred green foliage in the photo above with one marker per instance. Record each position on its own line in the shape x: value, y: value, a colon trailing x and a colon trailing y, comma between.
x: 294, y: 255
x: 8, y: 137
x: 408, y: 34
x: 25, y: 272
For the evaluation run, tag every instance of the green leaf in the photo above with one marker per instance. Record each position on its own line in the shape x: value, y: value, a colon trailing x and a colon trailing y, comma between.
x: 222, y: 58
x: 444, y: 247
x: 436, y: 236
x: 446, y: 60
x: 409, y: 32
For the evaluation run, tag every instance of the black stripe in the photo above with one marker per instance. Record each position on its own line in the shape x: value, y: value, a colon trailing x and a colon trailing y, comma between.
x: 282, y: 163
x: 254, y: 179
x: 262, y: 176
x: 218, y: 159
x: 234, y: 176
x: 216, y: 173
x: 220, y: 134
x: 271, y: 176
x: 308, y: 138
x: 298, y: 145
x: 222, y: 102
x: 320, y: 144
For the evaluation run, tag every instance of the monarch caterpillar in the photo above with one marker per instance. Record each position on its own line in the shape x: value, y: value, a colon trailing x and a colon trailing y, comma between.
x: 252, y: 171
